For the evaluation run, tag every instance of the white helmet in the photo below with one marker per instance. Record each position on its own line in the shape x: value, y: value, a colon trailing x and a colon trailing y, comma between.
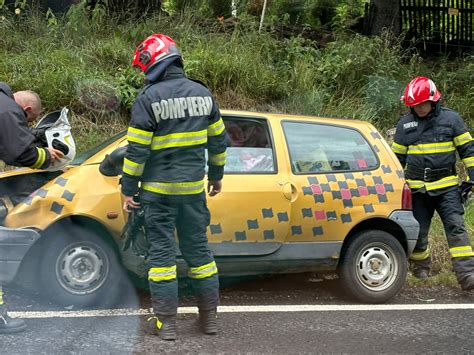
x: 58, y: 136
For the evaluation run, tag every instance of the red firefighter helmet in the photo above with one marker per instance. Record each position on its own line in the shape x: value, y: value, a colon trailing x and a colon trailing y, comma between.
x: 154, y: 49
x: 419, y: 90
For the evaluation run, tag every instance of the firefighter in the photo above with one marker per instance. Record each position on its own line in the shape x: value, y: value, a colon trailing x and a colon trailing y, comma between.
x: 17, y: 148
x: 425, y: 142
x: 174, y: 120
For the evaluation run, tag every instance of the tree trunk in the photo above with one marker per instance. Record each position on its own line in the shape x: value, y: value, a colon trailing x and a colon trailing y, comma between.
x: 384, y: 14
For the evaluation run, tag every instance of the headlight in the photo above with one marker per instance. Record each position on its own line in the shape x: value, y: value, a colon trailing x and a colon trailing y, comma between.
x: 3, y: 209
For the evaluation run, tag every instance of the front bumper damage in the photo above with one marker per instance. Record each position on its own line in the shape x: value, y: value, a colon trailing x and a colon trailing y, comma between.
x: 14, y: 244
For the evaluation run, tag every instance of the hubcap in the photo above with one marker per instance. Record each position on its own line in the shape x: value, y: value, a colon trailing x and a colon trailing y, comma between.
x: 82, y: 268
x: 377, y: 267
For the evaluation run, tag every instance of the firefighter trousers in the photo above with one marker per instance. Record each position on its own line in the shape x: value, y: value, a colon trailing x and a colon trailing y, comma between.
x: 190, y: 220
x: 450, y: 209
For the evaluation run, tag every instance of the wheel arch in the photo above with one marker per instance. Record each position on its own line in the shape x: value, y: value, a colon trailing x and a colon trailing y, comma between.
x: 32, y: 259
x: 382, y: 224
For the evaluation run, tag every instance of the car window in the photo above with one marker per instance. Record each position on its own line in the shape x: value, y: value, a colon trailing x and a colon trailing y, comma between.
x: 250, y: 147
x: 318, y: 148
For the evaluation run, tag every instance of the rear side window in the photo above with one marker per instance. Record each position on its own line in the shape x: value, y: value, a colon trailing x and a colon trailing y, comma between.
x: 318, y: 148
x: 250, y: 147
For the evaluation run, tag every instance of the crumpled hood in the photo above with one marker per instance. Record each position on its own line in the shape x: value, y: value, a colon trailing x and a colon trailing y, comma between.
x: 4, y: 88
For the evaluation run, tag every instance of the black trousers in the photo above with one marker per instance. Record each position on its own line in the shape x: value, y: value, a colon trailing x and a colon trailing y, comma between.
x: 450, y: 209
x: 190, y: 220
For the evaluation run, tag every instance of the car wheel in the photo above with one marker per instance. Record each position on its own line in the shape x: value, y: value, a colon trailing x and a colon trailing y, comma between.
x: 79, y: 268
x: 373, y: 267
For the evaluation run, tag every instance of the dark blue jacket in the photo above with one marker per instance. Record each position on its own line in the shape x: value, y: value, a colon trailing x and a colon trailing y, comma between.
x: 17, y: 142
x: 432, y: 143
x: 174, y: 120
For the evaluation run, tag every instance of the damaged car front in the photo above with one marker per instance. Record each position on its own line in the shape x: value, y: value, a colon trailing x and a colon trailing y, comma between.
x: 59, y: 229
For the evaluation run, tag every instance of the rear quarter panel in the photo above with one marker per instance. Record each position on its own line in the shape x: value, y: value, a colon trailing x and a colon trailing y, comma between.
x: 330, y: 205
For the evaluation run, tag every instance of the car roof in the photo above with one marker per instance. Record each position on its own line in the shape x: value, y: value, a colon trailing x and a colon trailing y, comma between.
x: 285, y: 116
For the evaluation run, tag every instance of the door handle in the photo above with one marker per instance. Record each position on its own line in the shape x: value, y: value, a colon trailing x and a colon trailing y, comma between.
x: 289, y: 191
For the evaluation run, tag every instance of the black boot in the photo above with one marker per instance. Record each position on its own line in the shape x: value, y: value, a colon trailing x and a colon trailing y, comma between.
x: 208, y: 321
x: 421, y: 274
x: 163, y: 326
x: 10, y: 325
x: 421, y: 268
x: 468, y: 283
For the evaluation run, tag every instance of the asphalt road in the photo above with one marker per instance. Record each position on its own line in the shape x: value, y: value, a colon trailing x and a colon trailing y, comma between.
x: 422, y: 320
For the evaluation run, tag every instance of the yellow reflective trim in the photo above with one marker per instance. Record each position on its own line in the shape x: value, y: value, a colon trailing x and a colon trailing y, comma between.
x: 204, y: 271
x: 162, y: 273
x: 442, y: 183
x: 462, y: 139
x: 399, y: 149
x: 421, y: 255
x: 159, y: 324
x: 139, y: 136
x: 459, y: 255
x: 415, y: 184
x: 438, y: 184
x: 216, y: 128
x: 469, y: 162
x: 179, y: 140
x: 1, y: 296
x: 463, y: 251
x: 174, y: 188
x: 162, y: 269
x: 217, y: 159
x: 132, y: 168
x: 40, y: 159
x: 431, y: 148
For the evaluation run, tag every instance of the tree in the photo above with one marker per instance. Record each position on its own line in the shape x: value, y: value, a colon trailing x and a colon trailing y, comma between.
x: 384, y: 14
x: 137, y: 7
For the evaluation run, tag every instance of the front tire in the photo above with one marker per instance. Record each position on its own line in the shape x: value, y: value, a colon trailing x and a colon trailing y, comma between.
x: 79, y: 268
x: 373, y: 267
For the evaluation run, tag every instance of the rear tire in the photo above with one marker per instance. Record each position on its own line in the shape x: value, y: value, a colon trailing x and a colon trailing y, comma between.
x: 373, y: 267
x: 79, y: 268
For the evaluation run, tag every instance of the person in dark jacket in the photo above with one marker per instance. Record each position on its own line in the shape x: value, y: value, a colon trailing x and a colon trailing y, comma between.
x: 174, y: 120
x: 17, y: 148
x: 426, y: 141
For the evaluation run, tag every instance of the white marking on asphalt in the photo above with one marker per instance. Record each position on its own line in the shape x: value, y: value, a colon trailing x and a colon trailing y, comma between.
x: 246, y: 309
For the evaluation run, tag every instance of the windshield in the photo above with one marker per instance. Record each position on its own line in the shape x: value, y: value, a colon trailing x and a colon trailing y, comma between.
x: 81, y: 158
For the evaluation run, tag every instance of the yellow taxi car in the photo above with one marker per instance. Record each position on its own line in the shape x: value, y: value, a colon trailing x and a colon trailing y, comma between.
x: 299, y: 194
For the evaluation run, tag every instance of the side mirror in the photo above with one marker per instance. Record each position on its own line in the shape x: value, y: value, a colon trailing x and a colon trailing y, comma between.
x: 113, y: 163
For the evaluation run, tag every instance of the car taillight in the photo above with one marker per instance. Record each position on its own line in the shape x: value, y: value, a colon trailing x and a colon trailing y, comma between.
x: 406, y: 198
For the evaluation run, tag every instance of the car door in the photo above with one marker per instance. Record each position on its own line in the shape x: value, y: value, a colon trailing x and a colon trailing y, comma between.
x: 331, y: 170
x: 251, y: 215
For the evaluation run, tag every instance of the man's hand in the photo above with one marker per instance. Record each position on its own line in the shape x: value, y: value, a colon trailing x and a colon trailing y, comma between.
x: 214, y: 187
x: 55, y: 154
x: 129, y: 202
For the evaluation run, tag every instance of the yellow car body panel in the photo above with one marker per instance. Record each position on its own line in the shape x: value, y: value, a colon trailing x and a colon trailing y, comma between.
x: 271, y: 211
x: 79, y: 191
